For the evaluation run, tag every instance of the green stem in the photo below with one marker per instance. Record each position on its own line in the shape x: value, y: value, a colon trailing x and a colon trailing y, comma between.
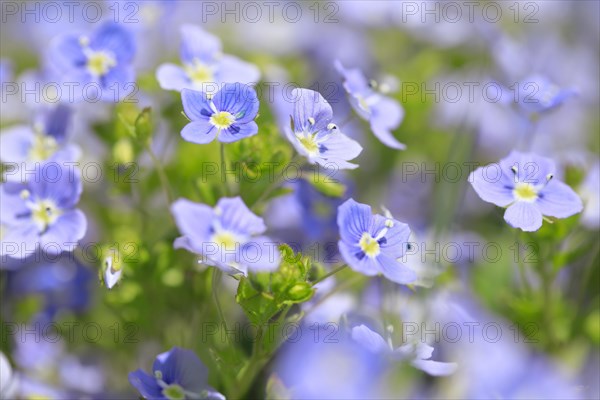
x: 330, y: 273
x: 216, y: 278
x: 162, y: 176
x: 274, y: 185
x: 223, y: 169
x: 521, y: 266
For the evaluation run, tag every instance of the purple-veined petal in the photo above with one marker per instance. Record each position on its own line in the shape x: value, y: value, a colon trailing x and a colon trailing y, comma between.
x: 193, y: 221
x: 196, y: 105
x: 238, y: 131
x: 363, y: 264
x: 145, y: 384
x: 235, y: 216
x: 196, y: 43
x: 183, y: 367
x: 199, y: 132
x: 308, y: 106
x: 435, y: 368
x: 261, y: 254
x: 558, y: 200
x: 239, y: 100
x: 394, y: 270
x: 116, y: 39
x: 396, y: 237
x: 386, y: 116
x: 340, y: 147
x: 490, y: 186
x: 66, y: 53
x: 353, y: 219
x: 524, y: 215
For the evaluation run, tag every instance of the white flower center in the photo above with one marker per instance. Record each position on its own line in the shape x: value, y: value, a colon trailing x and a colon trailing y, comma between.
x: 42, y: 148
x: 222, y: 120
x: 43, y: 212
x: 226, y: 240
x: 369, y: 245
x: 525, y: 192
x: 199, y: 73
x: 99, y: 62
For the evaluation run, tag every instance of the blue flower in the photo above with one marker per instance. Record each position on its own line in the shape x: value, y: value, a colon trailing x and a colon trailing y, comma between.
x: 102, y: 59
x: 418, y: 354
x: 383, y: 113
x: 227, y: 236
x: 526, y: 185
x: 205, y: 68
x: 536, y: 94
x: 315, y: 137
x: 40, y: 214
x: 24, y: 146
x: 372, y: 244
x: 228, y: 116
x: 176, y: 374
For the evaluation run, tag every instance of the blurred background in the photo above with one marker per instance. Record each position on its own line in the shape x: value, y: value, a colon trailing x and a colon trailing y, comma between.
x: 475, y: 79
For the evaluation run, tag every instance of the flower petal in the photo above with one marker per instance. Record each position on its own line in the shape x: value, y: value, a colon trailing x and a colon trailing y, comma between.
x: 238, y: 132
x: 559, y: 200
x: 365, y: 265
x: 193, y: 220
x: 199, y: 132
x: 523, y: 215
x: 386, y: 116
x: 239, y: 100
x: 116, y: 39
x: 435, y: 368
x: 490, y: 186
x: 183, y: 367
x: 172, y: 77
x: 195, y: 105
x: 369, y: 339
x: 64, y: 233
x: 261, y: 254
x: 232, y: 69
x: 395, y: 271
x: 145, y: 384
x: 353, y: 219
x: 199, y: 44
x: 309, y: 104
x: 235, y: 216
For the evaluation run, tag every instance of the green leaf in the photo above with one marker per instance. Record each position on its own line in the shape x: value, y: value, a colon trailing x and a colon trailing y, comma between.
x: 263, y: 295
x: 326, y: 184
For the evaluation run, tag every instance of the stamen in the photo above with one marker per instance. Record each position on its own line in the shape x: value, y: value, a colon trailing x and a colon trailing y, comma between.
x: 311, y: 120
x: 331, y: 126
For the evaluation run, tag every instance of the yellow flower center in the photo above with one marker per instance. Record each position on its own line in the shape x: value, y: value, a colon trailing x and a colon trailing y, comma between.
x: 226, y: 240
x: 310, y: 143
x: 44, y: 213
x: 42, y: 148
x: 369, y: 245
x: 199, y: 73
x: 174, y: 392
x: 100, y: 62
x: 525, y: 192
x: 222, y: 119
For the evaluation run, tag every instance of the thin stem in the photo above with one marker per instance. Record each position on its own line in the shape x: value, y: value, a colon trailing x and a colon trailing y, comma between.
x: 547, y: 295
x: 216, y: 278
x: 330, y: 273
x: 223, y: 168
x: 521, y: 266
x: 162, y: 176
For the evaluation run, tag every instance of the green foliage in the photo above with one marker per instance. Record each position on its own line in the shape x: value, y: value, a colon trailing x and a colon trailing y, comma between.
x: 263, y: 295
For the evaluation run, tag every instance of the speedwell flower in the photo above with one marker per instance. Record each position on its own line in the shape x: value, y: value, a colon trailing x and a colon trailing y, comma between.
x: 227, y: 236
x: 41, y: 213
x: 383, y: 113
x: 419, y: 354
x: 176, y: 374
x: 526, y: 185
x: 204, y: 68
x: 23, y: 146
x: 372, y: 244
x: 103, y: 59
x: 228, y: 116
x: 315, y: 136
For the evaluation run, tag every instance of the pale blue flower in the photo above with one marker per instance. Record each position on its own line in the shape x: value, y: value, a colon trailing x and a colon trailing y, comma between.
x: 204, y: 67
x: 418, y: 354
x: 315, y: 136
x: 23, y: 146
x: 526, y: 185
x: 228, y: 115
x: 228, y: 236
x: 101, y: 61
x: 40, y: 214
x: 383, y: 113
x: 373, y: 244
x: 176, y: 374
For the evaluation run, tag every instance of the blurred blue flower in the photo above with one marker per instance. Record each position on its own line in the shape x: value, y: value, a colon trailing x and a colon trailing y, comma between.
x: 372, y: 244
x: 383, y: 113
x: 316, y: 364
x: 41, y: 214
x: 418, y: 354
x: 228, y: 115
x: 176, y: 374
x: 537, y: 94
x: 590, y: 191
x: 315, y: 137
x: 24, y: 146
x: 102, y: 60
x: 205, y: 68
x: 226, y: 236
x: 63, y: 283
x: 525, y: 184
